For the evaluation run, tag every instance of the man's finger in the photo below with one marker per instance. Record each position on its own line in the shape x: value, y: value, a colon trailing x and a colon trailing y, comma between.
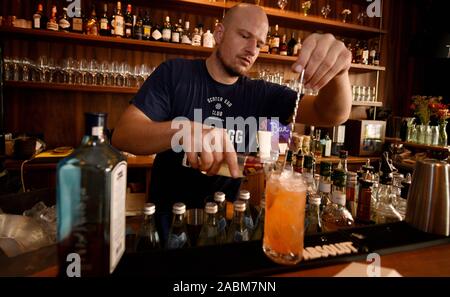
x: 305, y: 53
x: 344, y: 56
x: 327, y: 64
x: 192, y: 159
x: 218, y: 158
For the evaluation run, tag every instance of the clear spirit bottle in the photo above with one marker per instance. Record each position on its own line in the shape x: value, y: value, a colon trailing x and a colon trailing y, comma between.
x: 64, y: 23
x: 148, y: 238
x: 244, y: 195
x: 178, y: 234
x: 325, y: 183
x: 313, y: 220
x: 238, y: 231
x: 219, y: 198
x: 209, y: 233
x: 91, y: 191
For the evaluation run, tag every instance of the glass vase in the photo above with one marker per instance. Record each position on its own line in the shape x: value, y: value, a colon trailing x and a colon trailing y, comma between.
x: 435, y: 135
x: 421, y: 134
x: 428, y: 135
x: 411, y: 135
x: 443, y: 140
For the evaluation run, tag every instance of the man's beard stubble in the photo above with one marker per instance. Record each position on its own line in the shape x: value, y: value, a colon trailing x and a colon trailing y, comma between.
x: 229, y: 69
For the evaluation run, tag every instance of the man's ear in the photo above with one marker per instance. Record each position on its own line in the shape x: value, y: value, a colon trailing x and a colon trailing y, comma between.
x: 218, y: 33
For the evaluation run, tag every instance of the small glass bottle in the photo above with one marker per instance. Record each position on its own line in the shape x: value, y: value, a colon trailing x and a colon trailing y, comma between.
x: 325, y: 183
x: 167, y: 30
x: 313, y: 220
x: 39, y: 19
x: 64, y: 23
x: 364, y: 201
x: 219, y: 198
x: 238, y: 231
x: 196, y: 38
x: 351, y: 193
x: 92, y: 24
x: 148, y: 238
x: 244, y: 195
x: 209, y: 233
x: 259, y: 225
x: 178, y: 235
x: 308, y: 174
x: 186, y: 36
x: 385, y: 212
x: 208, y: 39
x: 52, y: 24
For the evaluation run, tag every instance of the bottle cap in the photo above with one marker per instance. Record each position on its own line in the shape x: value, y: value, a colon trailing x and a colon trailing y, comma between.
x: 239, y: 205
x: 211, y: 207
x: 179, y: 208
x: 219, y: 197
x: 149, y: 208
x: 244, y: 195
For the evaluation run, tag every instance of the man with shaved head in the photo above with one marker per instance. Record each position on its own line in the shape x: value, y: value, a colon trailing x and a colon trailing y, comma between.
x: 204, y: 94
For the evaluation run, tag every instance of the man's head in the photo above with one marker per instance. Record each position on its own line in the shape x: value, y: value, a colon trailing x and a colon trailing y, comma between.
x: 239, y: 37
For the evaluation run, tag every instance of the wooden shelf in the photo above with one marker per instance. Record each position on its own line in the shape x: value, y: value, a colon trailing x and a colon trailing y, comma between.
x: 155, y: 46
x: 290, y: 18
x: 69, y: 87
x: 419, y: 146
x: 361, y: 103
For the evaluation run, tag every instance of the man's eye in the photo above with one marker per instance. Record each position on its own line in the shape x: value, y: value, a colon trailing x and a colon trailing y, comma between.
x: 244, y: 36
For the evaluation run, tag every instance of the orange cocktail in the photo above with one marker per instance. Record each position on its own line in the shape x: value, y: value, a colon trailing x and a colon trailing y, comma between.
x: 285, y: 216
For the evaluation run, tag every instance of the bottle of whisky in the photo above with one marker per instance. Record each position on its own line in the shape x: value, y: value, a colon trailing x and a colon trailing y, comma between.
x: 39, y: 19
x: 274, y: 48
x: 128, y: 19
x: 147, y: 237
x: 291, y: 44
x: 176, y: 36
x: 52, y: 24
x: 167, y: 30
x: 147, y: 27
x: 91, y: 190
x: 91, y: 23
x: 186, y: 36
x: 105, y: 27
x: 119, y: 22
x: 138, y: 31
x: 283, y: 46
x: 64, y: 24
x: 196, y: 38
x: 77, y: 21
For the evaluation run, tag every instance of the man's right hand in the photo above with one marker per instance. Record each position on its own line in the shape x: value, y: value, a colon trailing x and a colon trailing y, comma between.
x: 208, y: 148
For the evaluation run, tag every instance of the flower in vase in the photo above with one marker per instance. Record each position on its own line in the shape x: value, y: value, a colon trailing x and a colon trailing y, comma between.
x: 345, y: 13
x: 306, y: 6
x: 325, y: 11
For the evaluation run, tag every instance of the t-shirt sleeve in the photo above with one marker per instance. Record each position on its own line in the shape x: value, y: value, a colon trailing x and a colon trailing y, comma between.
x: 154, y: 97
x: 279, y: 102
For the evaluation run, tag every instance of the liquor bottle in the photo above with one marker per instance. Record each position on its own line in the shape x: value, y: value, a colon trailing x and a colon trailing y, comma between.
x: 105, y: 27
x: 335, y: 215
x: 64, y: 23
x: 274, y: 48
x: 327, y: 146
x: 219, y: 198
x: 147, y: 237
x: 238, y: 231
x: 178, y: 235
x: 39, y: 19
x: 77, y: 21
x: 283, y: 46
x: 385, y: 211
x: 92, y: 178
x: 147, y: 26
x: 376, y: 59
x: 216, y: 22
x: 266, y: 47
x: 259, y: 223
x: 372, y: 54
x: 128, y: 19
x: 343, y: 156
x: 208, y: 39
x: 177, y: 32
x: 119, y: 22
x: 112, y: 22
x: 325, y: 183
x: 308, y: 175
x: 363, y: 212
x: 317, y: 145
x: 313, y: 221
x: 138, y: 31
x: 156, y: 34
x: 351, y: 193
x: 291, y: 44
x: 52, y: 24
x: 359, y: 52
x: 186, y: 36
x: 167, y: 30
x: 297, y: 47
x: 209, y: 233
x: 353, y: 49
x: 244, y: 195
x: 92, y: 24
x: 196, y: 38
x: 299, y: 157
x: 365, y: 54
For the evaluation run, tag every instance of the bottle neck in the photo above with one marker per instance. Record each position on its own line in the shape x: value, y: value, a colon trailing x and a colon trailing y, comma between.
x: 149, y: 220
x: 238, y: 217
x: 178, y: 220
x: 94, y: 135
x: 211, y: 219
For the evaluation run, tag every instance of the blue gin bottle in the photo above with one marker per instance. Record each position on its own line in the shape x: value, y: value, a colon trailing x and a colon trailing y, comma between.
x: 91, y: 191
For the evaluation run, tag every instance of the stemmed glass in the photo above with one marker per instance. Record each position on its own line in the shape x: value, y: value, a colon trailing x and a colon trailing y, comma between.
x: 104, y: 73
x: 92, y: 72
x: 282, y: 4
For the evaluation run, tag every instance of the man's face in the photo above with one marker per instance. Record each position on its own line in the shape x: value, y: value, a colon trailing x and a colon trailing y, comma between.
x: 241, y: 41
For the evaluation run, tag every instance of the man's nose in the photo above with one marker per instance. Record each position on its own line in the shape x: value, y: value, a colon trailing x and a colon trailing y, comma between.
x: 252, y: 47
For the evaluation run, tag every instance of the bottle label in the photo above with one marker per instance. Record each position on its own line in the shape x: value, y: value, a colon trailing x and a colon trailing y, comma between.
x: 283, y: 53
x: 176, y: 37
x: 156, y: 35
x: 327, y: 148
x: 118, y: 26
x: 338, y: 198
x: 77, y: 24
x: 147, y: 30
x: 208, y: 41
x: 128, y: 31
x: 276, y: 42
x: 176, y: 241
x: 103, y: 24
x: 265, y: 48
x: 117, y: 214
x: 324, y: 187
x: 241, y: 236
x: 185, y: 39
x: 52, y: 26
x: 197, y: 40
x: 166, y: 34
x: 37, y: 22
x: 64, y: 24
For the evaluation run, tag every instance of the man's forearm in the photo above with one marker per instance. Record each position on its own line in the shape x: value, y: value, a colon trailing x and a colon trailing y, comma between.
x: 334, y: 101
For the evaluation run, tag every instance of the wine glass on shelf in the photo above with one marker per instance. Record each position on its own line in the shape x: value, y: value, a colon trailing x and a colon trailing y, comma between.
x: 104, y: 73
x: 282, y: 4
x: 92, y: 72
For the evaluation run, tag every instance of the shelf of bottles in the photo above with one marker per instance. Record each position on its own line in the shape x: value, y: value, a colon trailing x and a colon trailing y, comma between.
x: 70, y: 87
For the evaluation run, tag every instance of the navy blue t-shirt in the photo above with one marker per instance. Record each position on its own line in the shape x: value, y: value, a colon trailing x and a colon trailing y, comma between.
x: 178, y: 87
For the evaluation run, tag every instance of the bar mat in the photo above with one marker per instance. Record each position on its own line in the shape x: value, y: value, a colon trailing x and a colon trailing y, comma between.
x: 248, y: 259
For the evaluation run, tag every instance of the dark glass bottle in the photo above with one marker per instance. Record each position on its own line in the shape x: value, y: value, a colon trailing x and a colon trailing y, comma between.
x: 148, y: 238
x: 92, y: 23
x: 178, y: 234
x: 105, y: 26
x: 91, y: 190
x: 77, y: 21
x: 138, y: 31
x: 283, y: 46
x: 146, y: 27
x: 39, y: 18
x: 291, y: 44
x: 128, y: 22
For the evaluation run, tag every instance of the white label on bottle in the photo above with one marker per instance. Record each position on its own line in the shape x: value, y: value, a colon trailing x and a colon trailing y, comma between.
x: 185, y: 39
x: 208, y: 40
x: 283, y: 53
x: 64, y: 24
x: 176, y: 37
x: 276, y: 42
x: 52, y: 26
x: 128, y: 31
x: 365, y: 55
x: 166, y: 33
x: 197, y: 40
x: 104, y: 24
x: 156, y: 35
x: 117, y: 214
x: 97, y: 131
x: 77, y: 24
x: 118, y: 26
x: 324, y: 187
x: 327, y: 148
x: 37, y: 22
